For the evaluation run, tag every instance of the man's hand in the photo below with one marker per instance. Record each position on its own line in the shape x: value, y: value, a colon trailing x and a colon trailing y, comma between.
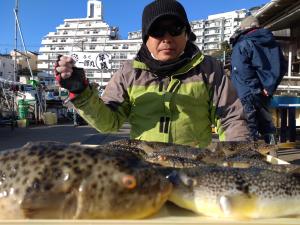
x: 68, y: 76
x: 64, y: 66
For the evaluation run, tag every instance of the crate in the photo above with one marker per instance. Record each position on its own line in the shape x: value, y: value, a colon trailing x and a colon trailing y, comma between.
x: 49, y: 118
x: 23, y: 123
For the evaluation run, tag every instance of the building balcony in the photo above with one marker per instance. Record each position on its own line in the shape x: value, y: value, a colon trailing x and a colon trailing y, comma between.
x: 46, y: 42
x: 198, y: 26
x: 212, y: 33
x: 43, y: 57
x: 198, y: 32
x: 81, y: 25
x: 212, y: 25
x: 102, y: 75
x: 199, y: 40
x: 51, y: 34
x: 212, y: 41
x: 211, y: 47
x: 43, y: 66
x: 45, y: 49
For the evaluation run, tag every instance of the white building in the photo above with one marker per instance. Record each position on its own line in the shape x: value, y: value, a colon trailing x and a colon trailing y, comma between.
x: 87, y: 37
x: 216, y: 29
x: 6, y: 67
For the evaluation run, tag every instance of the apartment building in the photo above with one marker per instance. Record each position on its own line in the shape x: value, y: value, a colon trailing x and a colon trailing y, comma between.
x: 90, y: 39
x: 217, y: 28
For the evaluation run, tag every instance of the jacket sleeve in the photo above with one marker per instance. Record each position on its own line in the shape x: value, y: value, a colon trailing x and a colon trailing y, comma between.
x: 227, y: 110
x: 108, y: 113
x: 243, y: 74
x: 270, y: 65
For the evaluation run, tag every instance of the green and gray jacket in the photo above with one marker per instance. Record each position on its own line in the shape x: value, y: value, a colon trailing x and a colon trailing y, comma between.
x: 180, y: 108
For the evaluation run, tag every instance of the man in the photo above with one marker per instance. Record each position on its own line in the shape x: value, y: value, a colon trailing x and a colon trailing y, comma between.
x: 170, y: 93
x: 258, y: 66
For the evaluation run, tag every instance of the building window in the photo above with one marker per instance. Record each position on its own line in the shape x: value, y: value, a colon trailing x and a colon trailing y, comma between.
x: 63, y: 40
x: 94, y: 39
x: 90, y: 74
x: 95, y: 32
x: 1, y: 73
x: 123, y: 56
x: 115, y: 47
x: 125, y: 47
x: 65, y: 32
x: 54, y: 40
x: 92, y: 47
x: 52, y: 48
x: 61, y: 48
x: 67, y: 25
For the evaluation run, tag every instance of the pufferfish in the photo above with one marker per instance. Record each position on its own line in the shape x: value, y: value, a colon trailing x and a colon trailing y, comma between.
x: 236, y: 192
x: 50, y: 180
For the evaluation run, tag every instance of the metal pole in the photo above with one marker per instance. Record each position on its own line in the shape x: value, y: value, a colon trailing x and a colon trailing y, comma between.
x: 16, y: 40
x: 14, y: 97
x: 290, y: 62
x: 23, y: 43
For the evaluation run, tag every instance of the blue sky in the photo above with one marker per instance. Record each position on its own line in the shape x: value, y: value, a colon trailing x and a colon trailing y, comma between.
x: 39, y: 17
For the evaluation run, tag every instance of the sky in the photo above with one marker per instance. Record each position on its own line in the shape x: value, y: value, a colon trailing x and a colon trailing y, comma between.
x: 39, y: 17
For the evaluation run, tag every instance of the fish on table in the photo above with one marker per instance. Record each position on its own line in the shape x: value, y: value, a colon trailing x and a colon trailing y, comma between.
x: 247, y: 159
x: 49, y: 180
x: 239, y: 154
x: 172, y: 161
x: 236, y: 192
x: 228, y: 148
x: 214, y: 153
x: 153, y: 149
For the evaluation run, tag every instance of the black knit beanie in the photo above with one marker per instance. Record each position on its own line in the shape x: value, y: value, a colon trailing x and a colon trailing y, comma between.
x: 160, y: 8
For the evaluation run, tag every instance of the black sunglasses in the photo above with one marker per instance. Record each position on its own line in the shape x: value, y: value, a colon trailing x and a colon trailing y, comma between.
x: 160, y: 31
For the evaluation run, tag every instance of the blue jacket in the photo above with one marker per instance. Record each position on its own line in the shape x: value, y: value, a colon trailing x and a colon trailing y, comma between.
x: 257, y: 62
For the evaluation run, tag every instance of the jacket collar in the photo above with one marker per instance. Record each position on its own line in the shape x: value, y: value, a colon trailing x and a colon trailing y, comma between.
x: 197, y: 59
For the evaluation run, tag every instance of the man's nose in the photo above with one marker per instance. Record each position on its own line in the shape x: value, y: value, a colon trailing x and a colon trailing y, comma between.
x: 167, y: 36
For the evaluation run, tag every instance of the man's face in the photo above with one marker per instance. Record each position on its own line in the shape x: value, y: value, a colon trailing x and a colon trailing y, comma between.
x: 167, y: 40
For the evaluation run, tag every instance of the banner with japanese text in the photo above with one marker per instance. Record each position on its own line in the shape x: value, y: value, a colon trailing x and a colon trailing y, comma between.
x: 91, y: 60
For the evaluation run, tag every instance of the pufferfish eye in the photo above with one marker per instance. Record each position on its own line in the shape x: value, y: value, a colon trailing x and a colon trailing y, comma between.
x: 129, y: 182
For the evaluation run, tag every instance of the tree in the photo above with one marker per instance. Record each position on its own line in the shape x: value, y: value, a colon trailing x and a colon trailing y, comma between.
x: 225, y: 47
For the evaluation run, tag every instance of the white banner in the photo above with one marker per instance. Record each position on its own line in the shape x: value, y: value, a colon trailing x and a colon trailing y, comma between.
x: 89, y: 60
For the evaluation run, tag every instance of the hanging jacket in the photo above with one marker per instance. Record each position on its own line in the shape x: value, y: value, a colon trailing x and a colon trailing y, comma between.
x: 257, y: 62
x: 178, y: 108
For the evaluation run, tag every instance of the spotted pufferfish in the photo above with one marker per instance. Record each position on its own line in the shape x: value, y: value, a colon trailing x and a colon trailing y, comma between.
x: 48, y: 180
